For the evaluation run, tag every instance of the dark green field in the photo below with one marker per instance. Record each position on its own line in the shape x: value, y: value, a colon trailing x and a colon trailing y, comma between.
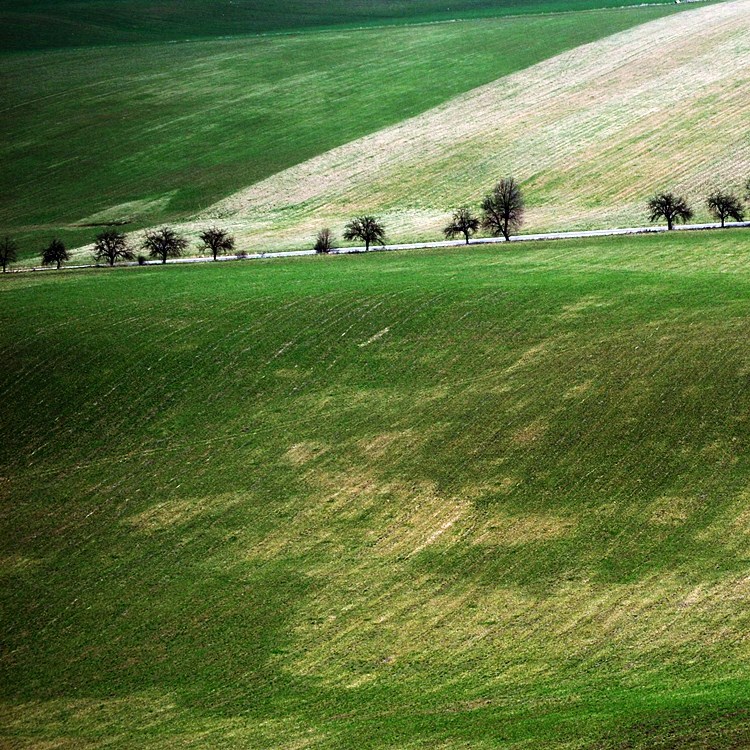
x: 37, y: 24
x: 474, y: 498
x: 154, y: 133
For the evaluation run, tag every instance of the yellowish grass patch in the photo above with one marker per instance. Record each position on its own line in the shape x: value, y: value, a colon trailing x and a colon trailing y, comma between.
x: 172, y: 513
x: 525, y: 529
x: 300, y: 453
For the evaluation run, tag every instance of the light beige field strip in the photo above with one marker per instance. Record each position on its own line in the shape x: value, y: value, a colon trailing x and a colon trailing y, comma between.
x: 590, y: 132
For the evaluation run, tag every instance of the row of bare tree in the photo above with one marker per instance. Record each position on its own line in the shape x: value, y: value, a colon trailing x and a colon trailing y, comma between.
x: 502, y: 211
x: 722, y: 205
x: 111, y: 247
x: 502, y: 214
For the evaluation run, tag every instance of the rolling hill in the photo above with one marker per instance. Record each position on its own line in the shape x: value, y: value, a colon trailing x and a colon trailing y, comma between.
x: 159, y: 132
x: 39, y: 24
x: 486, y: 498
x: 590, y: 133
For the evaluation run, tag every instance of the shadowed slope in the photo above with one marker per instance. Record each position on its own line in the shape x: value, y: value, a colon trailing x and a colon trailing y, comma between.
x: 34, y: 24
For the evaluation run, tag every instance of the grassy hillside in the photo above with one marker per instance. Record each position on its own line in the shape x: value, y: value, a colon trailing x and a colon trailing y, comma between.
x: 36, y: 24
x: 158, y: 132
x: 470, y: 498
x: 591, y: 134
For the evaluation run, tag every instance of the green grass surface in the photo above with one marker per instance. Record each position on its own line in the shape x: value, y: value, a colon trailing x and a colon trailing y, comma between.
x: 152, y: 133
x: 494, y: 497
x: 35, y: 24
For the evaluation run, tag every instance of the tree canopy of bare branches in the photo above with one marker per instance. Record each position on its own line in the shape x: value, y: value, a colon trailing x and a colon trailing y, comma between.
x: 8, y: 252
x: 55, y: 253
x: 463, y: 223
x: 216, y: 241
x: 725, y: 206
x: 503, y: 208
x: 324, y: 241
x: 365, y: 228
x: 673, y: 208
x: 111, y: 246
x: 164, y: 243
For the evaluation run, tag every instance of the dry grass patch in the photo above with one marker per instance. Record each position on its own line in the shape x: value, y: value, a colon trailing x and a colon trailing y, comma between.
x: 179, y: 512
x: 530, y: 433
x: 376, y: 447
x: 732, y: 530
x: 672, y: 511
x: 63, y: 717
x: 578, y: 390
x: 301, y: 453
x: 527, y: 529
x: 17, y: 563
x: 426, y: 519
x: 95, y: 723
x: 586, y: 304
x: 529, y: 356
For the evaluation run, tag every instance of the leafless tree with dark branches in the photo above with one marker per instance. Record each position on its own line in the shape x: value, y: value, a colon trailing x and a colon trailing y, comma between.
x: 503, y: 208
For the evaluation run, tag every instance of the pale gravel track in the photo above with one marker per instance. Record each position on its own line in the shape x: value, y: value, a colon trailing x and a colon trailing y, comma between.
x: 413, y: 246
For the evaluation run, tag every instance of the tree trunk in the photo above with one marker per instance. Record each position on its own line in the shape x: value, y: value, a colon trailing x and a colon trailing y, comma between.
x: 669, y: 223
x: 466, y: 234
x: 58, y: 265
x: 367, y: 246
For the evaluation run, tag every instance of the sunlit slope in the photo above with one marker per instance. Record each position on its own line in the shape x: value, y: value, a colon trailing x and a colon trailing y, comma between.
x: 590, y: 133
x: 155, y: 133
x: 484, y: 499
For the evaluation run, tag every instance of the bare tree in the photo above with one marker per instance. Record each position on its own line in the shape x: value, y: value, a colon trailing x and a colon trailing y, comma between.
x: 365, y: 228
x: 324, y: 241
x: 56, y: 253
x: 503, y: 208
x: 8, y: 252
x: 216, y: 241
x: 111, y: 246
x: 164, y: 243
x: 725, y: 205
x: 463, y: 223
x: 671, y: 207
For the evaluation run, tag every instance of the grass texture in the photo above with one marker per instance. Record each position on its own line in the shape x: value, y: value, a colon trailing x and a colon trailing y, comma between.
x: 494, y: 497
x: 155, y: 133
x: 37, y: 24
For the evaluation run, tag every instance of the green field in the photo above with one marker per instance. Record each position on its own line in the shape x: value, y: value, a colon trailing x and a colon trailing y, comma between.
x: 158, y: 132
x: 34, y: 24
x: 482, y: 498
